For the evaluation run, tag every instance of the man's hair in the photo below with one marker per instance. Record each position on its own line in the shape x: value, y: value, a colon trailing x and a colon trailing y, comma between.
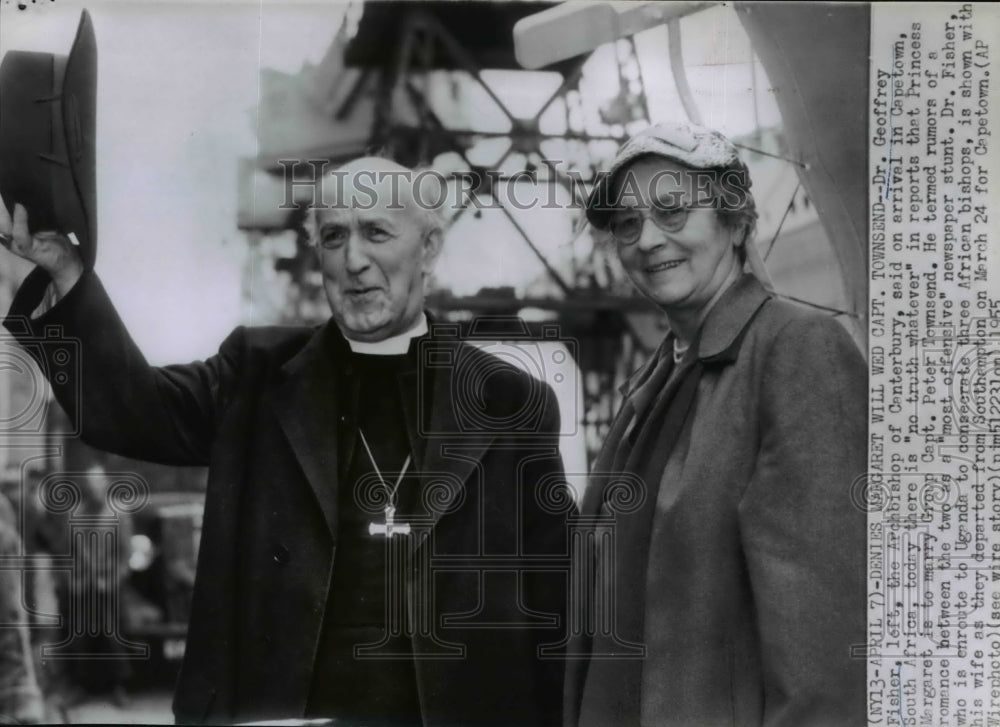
x: 431, y: 206
x: 433, y: 213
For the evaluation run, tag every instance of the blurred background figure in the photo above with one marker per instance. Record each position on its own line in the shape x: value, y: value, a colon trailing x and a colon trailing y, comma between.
x: 20, y: 698
x: 89, y: 597
x: 100, y: 583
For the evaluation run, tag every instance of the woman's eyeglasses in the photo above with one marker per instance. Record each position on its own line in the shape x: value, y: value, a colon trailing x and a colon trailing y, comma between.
x: 626, y: 227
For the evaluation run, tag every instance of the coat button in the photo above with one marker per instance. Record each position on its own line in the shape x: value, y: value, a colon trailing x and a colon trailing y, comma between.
x: 281, y: 555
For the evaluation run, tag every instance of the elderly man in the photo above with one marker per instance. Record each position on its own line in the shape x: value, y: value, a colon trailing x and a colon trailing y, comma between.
x: 343, y: 464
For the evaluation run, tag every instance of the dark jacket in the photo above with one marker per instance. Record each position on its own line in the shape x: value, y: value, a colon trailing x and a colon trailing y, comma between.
x: 263, y: 415
x: 756, y: 580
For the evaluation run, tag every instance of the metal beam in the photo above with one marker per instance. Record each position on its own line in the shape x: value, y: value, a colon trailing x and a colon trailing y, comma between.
x: 574, y: 28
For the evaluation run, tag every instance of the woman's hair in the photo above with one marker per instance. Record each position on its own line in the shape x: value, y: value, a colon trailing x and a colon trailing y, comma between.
x: 737, y: 209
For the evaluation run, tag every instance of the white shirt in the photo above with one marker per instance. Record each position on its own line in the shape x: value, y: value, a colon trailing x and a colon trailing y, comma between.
x: 394, y: 345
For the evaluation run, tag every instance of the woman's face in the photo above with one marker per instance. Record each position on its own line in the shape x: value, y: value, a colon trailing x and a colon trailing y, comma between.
x: 676, y: 268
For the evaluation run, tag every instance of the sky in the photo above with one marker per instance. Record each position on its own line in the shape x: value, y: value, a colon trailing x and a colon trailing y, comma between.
x: 177, y: 85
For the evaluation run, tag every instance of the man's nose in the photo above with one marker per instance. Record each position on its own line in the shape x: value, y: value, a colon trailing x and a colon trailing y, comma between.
x: 356, y: 256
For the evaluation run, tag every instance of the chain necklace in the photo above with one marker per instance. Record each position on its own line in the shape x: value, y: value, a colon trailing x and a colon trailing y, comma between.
x: 389, y: 527
x: 679, y: 351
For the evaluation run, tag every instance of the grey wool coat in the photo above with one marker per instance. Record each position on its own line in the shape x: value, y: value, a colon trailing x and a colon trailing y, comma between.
x: 263, y: 414
x: 756, y: 580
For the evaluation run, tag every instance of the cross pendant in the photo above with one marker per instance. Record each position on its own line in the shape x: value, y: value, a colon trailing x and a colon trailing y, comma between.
x: 388, y: 528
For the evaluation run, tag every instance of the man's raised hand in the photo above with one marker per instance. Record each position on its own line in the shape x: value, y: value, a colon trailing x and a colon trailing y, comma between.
x: 51, y: 251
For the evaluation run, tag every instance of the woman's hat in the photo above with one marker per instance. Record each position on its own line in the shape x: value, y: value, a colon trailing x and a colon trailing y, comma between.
x: 692, y: 145
x: 48, y: 124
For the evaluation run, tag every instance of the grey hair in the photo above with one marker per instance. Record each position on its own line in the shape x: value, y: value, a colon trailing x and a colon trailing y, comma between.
x: 432, y: 216
x: 744, y: 215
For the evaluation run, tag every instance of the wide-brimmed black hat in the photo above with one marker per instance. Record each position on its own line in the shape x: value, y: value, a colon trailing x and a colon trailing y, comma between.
x: 48, y: 124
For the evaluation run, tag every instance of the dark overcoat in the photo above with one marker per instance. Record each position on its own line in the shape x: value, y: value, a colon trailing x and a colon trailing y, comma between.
x: 263, y: 415
x: 756, y: 580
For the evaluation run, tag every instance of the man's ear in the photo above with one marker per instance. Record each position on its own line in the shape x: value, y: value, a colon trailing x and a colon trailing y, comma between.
x: 433, y: 239
x: 309, y: 228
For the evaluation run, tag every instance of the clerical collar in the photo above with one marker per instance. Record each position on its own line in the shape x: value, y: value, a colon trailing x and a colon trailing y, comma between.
x: 394, y: 345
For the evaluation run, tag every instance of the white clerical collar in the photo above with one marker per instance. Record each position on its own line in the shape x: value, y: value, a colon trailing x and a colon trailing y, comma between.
x: 394, y: 345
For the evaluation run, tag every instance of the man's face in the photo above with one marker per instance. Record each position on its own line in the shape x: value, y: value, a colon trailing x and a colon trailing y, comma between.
x: 374, y: 249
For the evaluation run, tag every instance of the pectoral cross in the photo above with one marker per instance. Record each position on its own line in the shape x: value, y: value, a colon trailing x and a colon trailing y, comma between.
x: 389, y: 527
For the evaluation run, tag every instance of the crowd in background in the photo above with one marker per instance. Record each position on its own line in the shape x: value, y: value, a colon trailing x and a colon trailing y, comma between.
x: 37, y: 603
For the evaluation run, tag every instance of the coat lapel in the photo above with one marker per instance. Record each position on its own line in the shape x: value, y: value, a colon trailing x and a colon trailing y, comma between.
x: 414, y: 415
x: 718, y: 342
x: 621, y: 427
x: 307, y: 406
x: 723, y: 329
x: 450, y: 453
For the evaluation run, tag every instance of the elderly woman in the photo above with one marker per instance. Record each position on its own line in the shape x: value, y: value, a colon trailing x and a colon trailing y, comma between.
x: 739, y: 571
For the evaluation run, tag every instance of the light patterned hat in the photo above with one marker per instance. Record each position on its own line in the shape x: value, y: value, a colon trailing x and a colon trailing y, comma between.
x: 690, y: 144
